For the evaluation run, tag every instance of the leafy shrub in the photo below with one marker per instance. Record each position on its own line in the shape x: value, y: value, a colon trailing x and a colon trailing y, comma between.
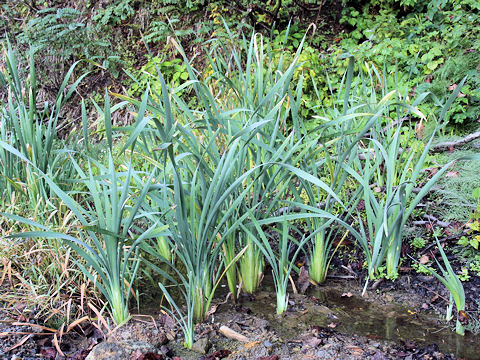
x: 114, y: 12
x: 62, y: 35
x: 436, y: 44
x: 174, y: 72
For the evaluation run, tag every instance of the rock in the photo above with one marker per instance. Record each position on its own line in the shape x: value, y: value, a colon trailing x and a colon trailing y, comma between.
x: 201, y: 345
x: 325, y: 354
x: 379, y: 356
x: 145, y: 332
x: 388, y: 298
x: 120, y: 350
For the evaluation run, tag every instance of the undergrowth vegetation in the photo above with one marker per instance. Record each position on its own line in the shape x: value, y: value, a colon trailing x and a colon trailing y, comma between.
x: 258, y: 154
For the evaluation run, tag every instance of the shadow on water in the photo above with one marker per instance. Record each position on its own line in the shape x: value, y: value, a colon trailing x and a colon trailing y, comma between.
x: 356, y: 316
x: 396, y: 323
x: 352, y: 315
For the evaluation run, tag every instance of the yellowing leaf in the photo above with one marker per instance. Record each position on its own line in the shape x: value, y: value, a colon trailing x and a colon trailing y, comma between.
x: 475, y: 226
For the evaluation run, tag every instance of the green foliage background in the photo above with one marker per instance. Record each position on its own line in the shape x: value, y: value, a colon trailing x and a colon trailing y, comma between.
x: 429, y: 44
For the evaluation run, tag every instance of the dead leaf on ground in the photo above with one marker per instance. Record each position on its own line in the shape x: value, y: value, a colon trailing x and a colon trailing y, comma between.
x: 303, y: 280
x: 332, y: 325
x: 424, y: 259
x: 48, y: 353
x: 348, y: 294
x: 167, y: 321
x: 137, y: 355
x: 420, y: 130
x: 452, y: 174
x: 220, y: 354
x: 312, y: 341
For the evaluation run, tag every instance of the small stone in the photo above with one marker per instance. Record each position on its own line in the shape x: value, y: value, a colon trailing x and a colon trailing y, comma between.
x: 170, y: 335
x: 267, y: 343
x: 201, y: 345
x: 120, y: 350
x: 379, y: 356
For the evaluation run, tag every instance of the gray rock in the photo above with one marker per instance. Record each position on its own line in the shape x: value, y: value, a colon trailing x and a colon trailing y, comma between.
x: 201, y: 345
x: 145, y: 332
x: 379, y: 356
x: 120, y: 350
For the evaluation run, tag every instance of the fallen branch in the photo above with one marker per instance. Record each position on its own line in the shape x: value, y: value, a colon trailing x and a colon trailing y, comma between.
x: 451, y: 144
x: 232, y: 334
x: 430, y: 219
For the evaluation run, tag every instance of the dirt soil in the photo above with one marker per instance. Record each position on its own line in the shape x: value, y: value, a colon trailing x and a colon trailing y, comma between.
x: 394, y: 320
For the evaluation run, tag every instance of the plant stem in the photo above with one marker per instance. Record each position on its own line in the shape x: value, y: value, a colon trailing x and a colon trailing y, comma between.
x: 282, y: 301
x: 318, y: 271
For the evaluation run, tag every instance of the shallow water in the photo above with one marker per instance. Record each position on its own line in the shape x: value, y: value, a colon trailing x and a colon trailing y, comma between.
x: 354, y: 315
x: 357, y: 316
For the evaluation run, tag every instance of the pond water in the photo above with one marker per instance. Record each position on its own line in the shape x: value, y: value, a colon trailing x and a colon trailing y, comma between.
x: 328, y: 307
x: 356, y: 316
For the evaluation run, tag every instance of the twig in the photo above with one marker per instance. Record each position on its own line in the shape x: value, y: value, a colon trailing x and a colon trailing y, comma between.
x: 232, y: 334
x: 341, y: 276
x: 430, y: 219
x: 451, y: 144
x: 376, y: 284
x: 424, y: 251
x: 433, y: 291
x: 20, y: 343
x: 350, y: 270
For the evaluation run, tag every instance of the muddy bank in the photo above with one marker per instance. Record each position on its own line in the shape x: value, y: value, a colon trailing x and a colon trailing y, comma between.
x: 328, y: 322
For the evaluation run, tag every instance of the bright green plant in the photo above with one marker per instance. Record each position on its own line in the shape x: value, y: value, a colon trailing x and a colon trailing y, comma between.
x: 464, y: 275
x: 420, y: 269
x: 105, y: 240
x: 280, y: 261
x: 452, y: 282
x: 473, y: 239
x: 200, y: 179
x: 174, y: 71
x: 229, y: 253
x: 337, y: 136
x: 32, y: 131
x: 397, y: 171
x: 251, y: 264
x: 418, y: 243
x: 202, y: 157
x: 475, y: 265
